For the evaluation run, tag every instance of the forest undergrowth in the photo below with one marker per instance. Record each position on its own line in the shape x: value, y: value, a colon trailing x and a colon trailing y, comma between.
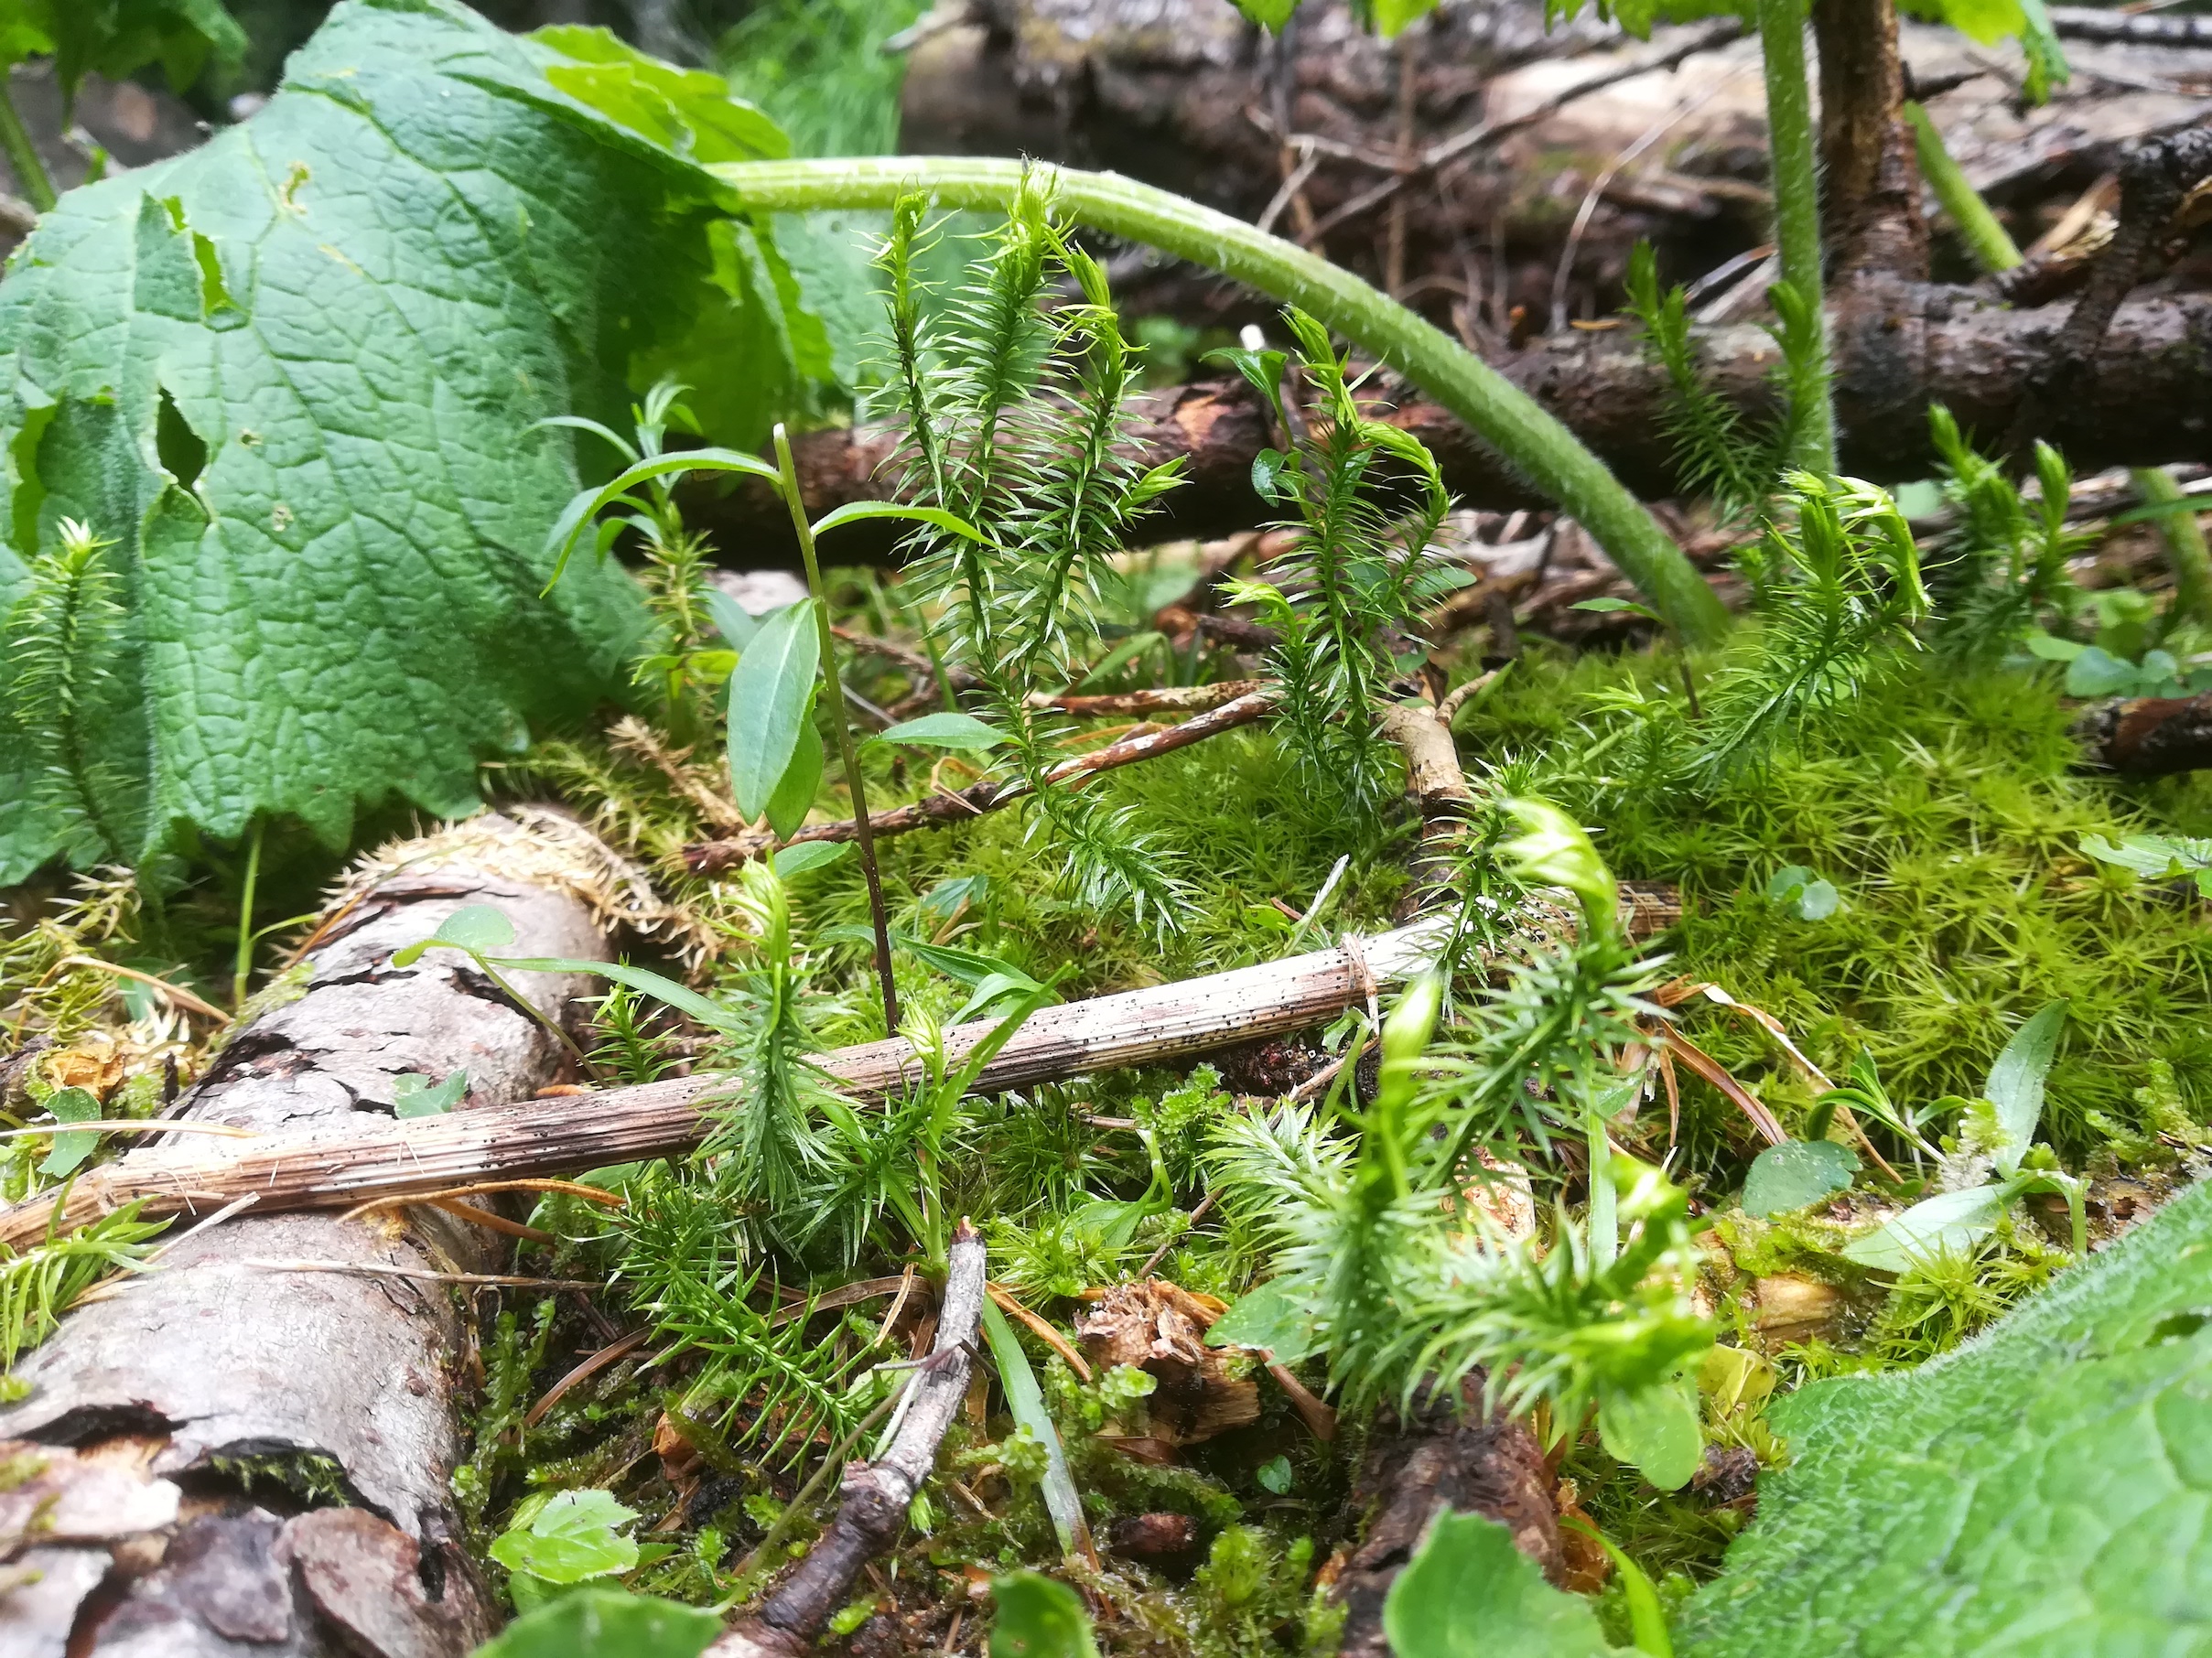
x: 1790, y: 1008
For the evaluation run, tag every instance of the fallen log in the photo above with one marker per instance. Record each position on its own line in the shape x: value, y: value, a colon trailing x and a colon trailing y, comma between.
x: 1899, y: 346
x: 1460, y: 156
x: 325, y: 1166
x: 231, y: 1377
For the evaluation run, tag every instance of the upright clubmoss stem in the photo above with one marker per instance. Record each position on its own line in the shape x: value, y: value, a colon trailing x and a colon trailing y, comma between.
x: 862, y: 836
x: 1797, y: 186
x: 22, y: 154
x: 1993, y: 250
x: 1520, y: 428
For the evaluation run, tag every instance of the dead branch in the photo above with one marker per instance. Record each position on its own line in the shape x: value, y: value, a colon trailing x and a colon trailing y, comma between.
x: 1450, y: 1453
x: 875, y: 1495
x: 341, y: 1165
x: 710, y: 858
x: 1870, y: 175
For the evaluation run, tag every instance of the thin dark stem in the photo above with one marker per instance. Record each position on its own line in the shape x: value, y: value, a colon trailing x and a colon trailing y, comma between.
x: 862, y: 836
x: 22, y: 154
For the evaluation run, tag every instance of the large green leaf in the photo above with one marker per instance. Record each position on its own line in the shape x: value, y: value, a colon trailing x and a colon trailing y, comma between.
x: 1469, y: 1593
x: 2042, y: 1492
x: 293, y: 377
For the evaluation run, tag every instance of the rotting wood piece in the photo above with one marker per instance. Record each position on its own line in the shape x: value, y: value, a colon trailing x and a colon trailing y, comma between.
x: 1160, y: 1024
x: 1443, y: 1457
x: 874, y: 1495
x: 232, y: 1376
x: 2148, y: 735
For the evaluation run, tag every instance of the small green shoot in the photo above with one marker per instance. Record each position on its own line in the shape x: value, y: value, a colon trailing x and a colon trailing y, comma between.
x: 416, y: 1096
x: 70, y: 1150
x: 1804, y: 893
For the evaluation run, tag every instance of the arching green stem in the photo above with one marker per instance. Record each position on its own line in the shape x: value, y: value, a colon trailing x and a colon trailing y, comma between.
x: 1797, y: 183
x: 1520, y: 429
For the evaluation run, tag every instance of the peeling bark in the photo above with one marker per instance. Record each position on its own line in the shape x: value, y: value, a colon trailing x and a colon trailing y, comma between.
x: 210, y: 1362
x: 2150, y: 736
x: 1870, y: 175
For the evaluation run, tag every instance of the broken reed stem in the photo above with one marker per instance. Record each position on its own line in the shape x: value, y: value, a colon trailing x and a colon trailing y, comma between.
x: 524, y: 1139
x: 711, y: 857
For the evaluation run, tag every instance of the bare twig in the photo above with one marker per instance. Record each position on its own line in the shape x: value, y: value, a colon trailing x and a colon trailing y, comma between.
x: 340, y: 1166
x: 875, y: 1495
x: 710, y: 858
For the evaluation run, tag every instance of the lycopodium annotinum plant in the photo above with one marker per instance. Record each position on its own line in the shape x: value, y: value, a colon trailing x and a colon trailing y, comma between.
x: 1501, y: 413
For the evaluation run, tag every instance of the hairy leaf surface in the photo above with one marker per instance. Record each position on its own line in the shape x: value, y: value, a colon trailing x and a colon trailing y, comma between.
x: 292, y: 378
x: 2044, y: 1490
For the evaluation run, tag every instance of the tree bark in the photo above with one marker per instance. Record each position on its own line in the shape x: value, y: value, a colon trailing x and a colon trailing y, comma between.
x: 1898, y: 347
x: 1870, y: 177
x: 209, y: 1368
x: 2150, y: 736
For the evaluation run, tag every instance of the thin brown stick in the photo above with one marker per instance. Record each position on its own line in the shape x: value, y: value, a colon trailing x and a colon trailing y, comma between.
x: 402, y: 1159
x: 1156, y: 699
x: 1043, y: 1331
x: 174, y: 993
x: 711, y: 857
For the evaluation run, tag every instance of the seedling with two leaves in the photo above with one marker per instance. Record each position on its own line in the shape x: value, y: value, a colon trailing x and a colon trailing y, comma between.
x: 775, y: 750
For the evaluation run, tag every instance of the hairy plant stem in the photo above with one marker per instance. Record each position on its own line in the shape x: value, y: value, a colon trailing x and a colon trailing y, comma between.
x: 242, y: 974
x: 1986, y: 240
x: 1796, y: 185
x: 2184, y: 538
x: 1503, y: 415
x: 22, y: 154
x: 839, y: 724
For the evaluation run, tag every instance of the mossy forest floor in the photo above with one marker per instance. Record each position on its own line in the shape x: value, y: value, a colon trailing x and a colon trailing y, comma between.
x: 1946, y: 812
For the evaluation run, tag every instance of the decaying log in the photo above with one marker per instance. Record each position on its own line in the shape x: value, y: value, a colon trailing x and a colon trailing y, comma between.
x: 340, y: 1166
x: 1899, y: 346
x: 1464, y: 1459
x: 935, y: 811
x: 874, y: 1495
x: 231, y: 1377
